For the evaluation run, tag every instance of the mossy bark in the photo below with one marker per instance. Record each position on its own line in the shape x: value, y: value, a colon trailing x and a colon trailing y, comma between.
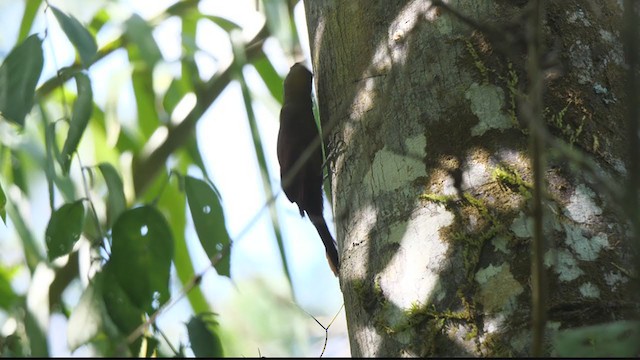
x: 431, y: 182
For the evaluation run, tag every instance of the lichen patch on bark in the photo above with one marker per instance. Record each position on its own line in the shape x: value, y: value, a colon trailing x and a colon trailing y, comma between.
x: 497, y: 288
x: 564, y: 264
x: 582, y: 206
x: 586, y: 248
x: 390, y: 170
x: 487, y: 102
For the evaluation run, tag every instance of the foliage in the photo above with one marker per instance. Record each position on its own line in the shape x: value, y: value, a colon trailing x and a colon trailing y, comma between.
x: 112, y: 188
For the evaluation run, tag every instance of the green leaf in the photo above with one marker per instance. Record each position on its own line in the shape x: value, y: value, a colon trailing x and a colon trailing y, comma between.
x: 87, y: 319
x: 36, y: 335
x: 189, y: 29
x: 100, y: 18
x: 190, y: 73
x: 141, y: 254
x: 18, y: 170
x: 139, y: 33
x: 204, y: 341
x: 280, y: 23
x: 224, y: 24
x: 19, y: 76
x: 193, y: 151
x: 173, y: 203
x: 64, y: 229
x: 122, y: 311
x: 116, y: 202
x: 148, y: 119
x: 152, y: 347
x: 32, y: 255
x: 208, y: 219
x: 270, y: 76
x: 79, y: 36
x: 3, y: 206
x: 50, y: 151
x: 30, y: 11
x: 144, y: 54
x: 176, y: 91
x: 7, y: 296
x: 82, y: 109
x: 614, y: 339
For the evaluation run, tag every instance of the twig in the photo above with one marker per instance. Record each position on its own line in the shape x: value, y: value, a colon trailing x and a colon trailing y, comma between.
x: 536, y: 125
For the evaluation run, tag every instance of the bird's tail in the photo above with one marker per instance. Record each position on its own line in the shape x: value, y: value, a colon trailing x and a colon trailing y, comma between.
x: 329, y: 244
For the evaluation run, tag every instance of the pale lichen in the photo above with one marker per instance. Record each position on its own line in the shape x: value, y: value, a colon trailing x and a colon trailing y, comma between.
x: 614, y: 278
x: 500, y: 243
x: 498, y: 288
x: 582, y: 207
x: 564, y: 264
x: 390, y: 170
x: 522, y: 226
x: 586, y: 248
x: 487, y: 102
x: 589, y: 290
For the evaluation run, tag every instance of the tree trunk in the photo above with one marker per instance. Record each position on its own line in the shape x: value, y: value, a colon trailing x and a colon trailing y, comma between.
x: 432, y: 179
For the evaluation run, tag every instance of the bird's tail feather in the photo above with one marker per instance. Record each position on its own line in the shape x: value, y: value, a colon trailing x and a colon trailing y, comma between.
x: 329, y: 244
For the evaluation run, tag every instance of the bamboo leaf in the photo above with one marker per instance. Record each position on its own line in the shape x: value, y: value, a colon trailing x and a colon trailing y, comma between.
x: 7, y: 296
x: 87, y: 319
x: 224, y: 24
x: 19, y: 75
x: 139, y: 34
x: 116, y: 202
x: 123, y: 313
x: 30, y: 11
x: 64, y: 229
x: 208, y: 219
x: 204, y: 342
x: 3, y: 206
x: 82, y: 110
x: 270, y: 76
x: 141, y: 255
x: 79, y: 36
x: 173, y: 203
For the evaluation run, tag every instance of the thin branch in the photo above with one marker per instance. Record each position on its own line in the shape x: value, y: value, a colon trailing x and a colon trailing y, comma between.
x: 536, y: 126
x: 325, y: 328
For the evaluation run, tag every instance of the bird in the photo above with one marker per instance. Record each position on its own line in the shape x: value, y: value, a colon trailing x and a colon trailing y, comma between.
x: 298, y: 130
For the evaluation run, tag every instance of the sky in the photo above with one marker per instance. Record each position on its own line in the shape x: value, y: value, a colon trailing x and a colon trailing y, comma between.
x: 222, y: 131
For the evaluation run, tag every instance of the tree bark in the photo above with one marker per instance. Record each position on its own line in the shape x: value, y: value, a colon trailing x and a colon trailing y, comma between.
x: 432, y: 177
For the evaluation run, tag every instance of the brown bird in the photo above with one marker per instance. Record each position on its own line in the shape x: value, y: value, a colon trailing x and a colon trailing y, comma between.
x: 298, y: 130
